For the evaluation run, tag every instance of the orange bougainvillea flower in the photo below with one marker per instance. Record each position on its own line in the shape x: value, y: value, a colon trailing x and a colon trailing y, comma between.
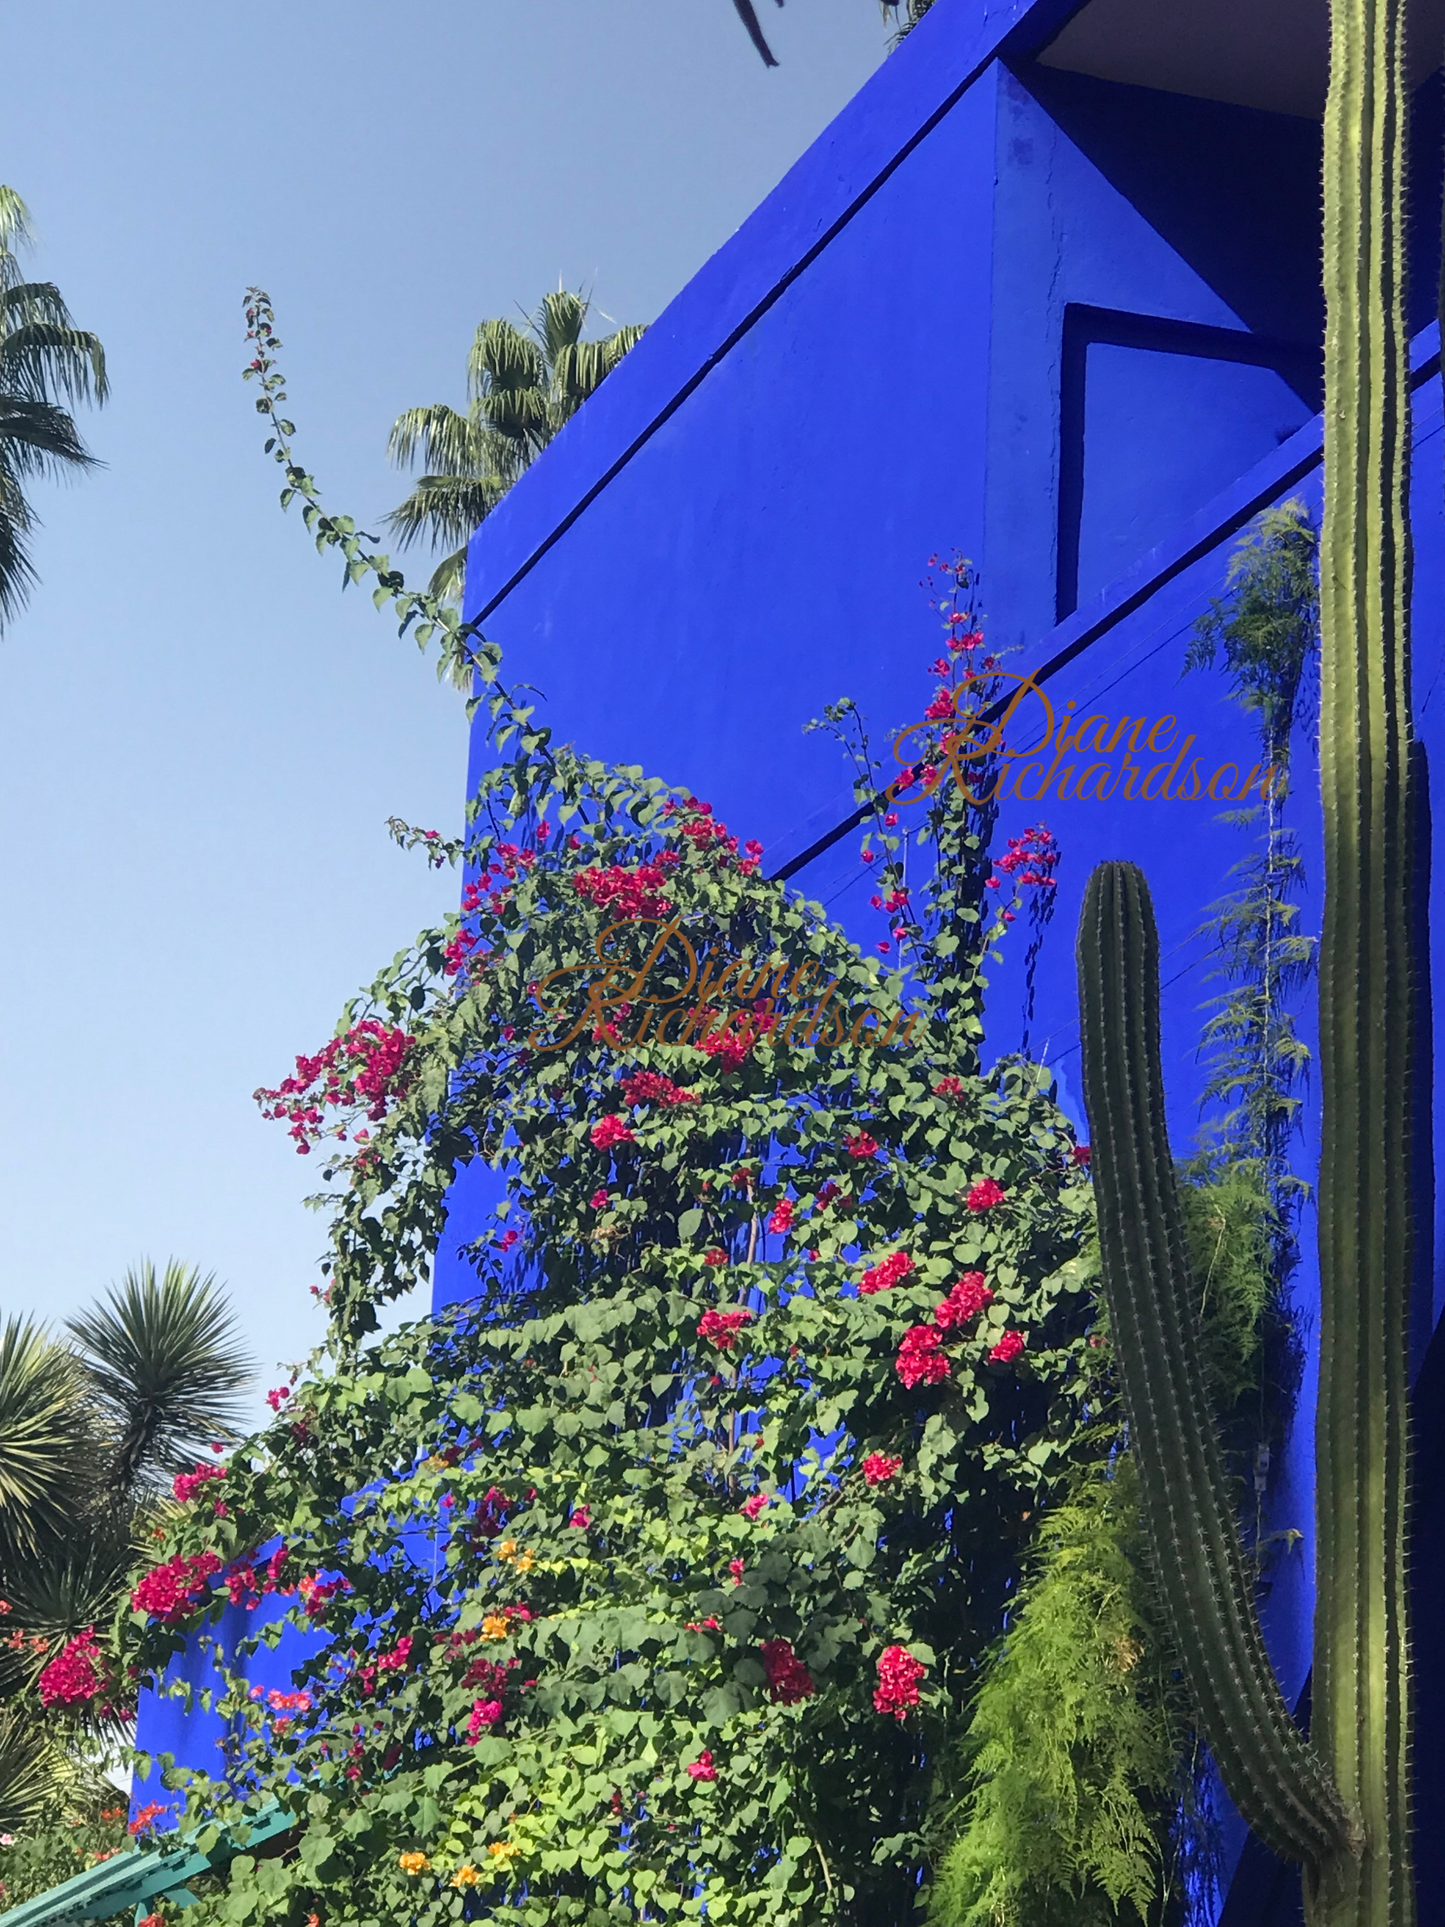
x: 494, y: 1626
x: 466, y: 1876
x: 413, y: 1862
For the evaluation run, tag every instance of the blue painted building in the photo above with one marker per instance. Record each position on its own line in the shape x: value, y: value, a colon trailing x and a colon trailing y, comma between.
x: 1046, y: 293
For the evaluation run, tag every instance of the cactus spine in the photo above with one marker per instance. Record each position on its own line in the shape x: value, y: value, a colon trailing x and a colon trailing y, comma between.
x: 1342, y: 1804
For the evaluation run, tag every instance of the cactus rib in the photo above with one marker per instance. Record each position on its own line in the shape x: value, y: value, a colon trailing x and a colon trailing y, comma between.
x: 1272, y: 1774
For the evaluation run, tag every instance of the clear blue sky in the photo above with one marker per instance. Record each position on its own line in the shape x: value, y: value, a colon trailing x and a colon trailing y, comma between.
x: 202, y: 737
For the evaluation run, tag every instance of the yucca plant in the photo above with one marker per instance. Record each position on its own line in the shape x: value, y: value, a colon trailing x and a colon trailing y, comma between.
x: 93, y: 1425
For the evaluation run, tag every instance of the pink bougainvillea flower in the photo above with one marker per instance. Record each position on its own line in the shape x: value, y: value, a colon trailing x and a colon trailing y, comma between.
x: 886, y: 1273
x: 878, y: 1468
x: 622, y: 892
x: 722, y: 1327
x: 185, y: 1485
x: 363, y: 1069
x: 920, y: 1361
x: 714, y: 1255
x: 730, y: 1045
x: 76, y: 1676
x: 984, y: 1195
x: 600, y: 1199
x: 608, y: 1131
x: 898, y: 1676
x: 735, y: 1567
x: 781, y: 1218
x: 965, y: 1301
x: 948, y: 1087
x: 170, y: 1591
x: 278, y: 1397
x: 485, y: 1715
x: 753, y: 1506
x: 581, y: 1518
x: 788, y: 1678
x: 859, y: 1144
x: 650, y: 1087
x: 1007, y: 1349
x: 701, y: 1768
x: 1080, y: 1154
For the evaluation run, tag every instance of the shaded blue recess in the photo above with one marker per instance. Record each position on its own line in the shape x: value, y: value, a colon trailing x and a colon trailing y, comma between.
x: 1164, y: 432
x: 1069, y: 235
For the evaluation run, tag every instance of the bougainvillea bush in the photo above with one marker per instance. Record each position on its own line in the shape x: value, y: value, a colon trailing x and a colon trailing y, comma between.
x: 651, y: 1581
x: 655, y: 1575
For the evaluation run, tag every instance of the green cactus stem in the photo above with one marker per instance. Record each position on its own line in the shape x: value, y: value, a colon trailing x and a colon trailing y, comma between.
x: 1361, y: 1719
x: 1269, y: 1768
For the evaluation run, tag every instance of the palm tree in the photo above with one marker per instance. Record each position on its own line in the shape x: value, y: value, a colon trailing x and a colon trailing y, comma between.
x: 93, y: 1427
x: 523, y: 385
x: 46, y: 364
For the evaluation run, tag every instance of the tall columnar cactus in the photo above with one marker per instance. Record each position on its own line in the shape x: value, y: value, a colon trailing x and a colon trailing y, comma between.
x: 1274, y: 1776
x: 1338, y: 1803
x: 1341, y: 1803
x: 1361, y: 1687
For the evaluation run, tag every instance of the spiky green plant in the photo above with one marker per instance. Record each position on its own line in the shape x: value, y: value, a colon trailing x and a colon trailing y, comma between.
x: 1339, y: 1804
x: 92, y: 1426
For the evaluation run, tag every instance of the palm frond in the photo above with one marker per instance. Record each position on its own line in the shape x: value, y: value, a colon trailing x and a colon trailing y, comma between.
x: 42, y: 1446
x: 39, y: 438
x: 449, y: 443
x: 559, y: 322
x: 579, y: 371
x: 44, y: 355
x: 523, y: 387
x: 167, y: 1367
x: 16, y: 232
x: 445, y: 508
x: 503, y: 357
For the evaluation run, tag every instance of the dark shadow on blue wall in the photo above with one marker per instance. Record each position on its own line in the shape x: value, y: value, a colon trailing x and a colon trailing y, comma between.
x: 1129, y: 452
